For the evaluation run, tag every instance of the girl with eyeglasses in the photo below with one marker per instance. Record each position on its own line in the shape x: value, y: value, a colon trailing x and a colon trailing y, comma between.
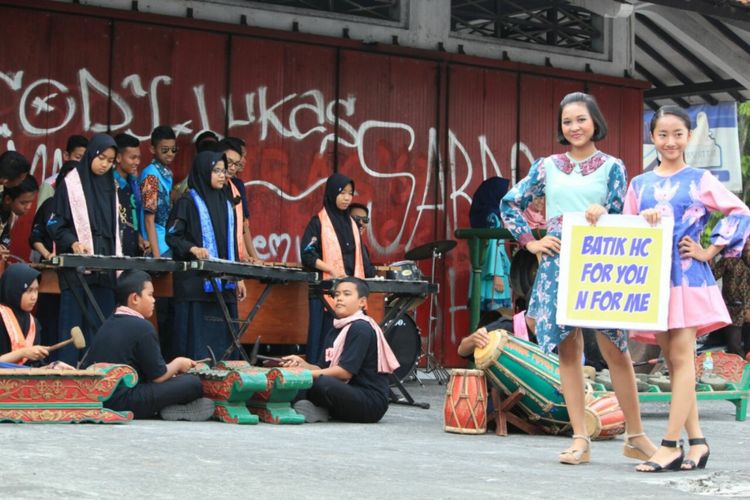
x: 202, y: 225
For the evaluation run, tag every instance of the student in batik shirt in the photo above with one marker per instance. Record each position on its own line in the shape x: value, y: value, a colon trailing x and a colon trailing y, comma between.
x: 156, y: 190
x: 129, y: 193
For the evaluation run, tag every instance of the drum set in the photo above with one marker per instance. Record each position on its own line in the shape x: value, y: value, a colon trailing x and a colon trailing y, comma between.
x: 404, y: 338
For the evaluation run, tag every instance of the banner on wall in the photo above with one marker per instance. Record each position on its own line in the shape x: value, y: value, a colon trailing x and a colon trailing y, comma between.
x: 714, y: 144
x: 614, y: 274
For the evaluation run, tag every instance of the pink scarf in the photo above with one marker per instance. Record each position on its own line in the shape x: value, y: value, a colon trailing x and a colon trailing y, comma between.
x: 519, y: 326
x: 387, y: 362
x: 128, y: 312
x: 534, y: 219
x: 80, y: 213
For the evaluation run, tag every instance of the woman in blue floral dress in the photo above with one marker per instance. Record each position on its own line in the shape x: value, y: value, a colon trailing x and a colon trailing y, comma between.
x: 582, y: 180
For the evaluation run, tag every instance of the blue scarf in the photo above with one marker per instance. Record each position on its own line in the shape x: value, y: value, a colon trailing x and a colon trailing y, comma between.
x: 209, y: 239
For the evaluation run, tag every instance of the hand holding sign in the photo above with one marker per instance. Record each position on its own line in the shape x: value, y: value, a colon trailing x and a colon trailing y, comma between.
x: 652, y: 216
x: 615, y: 274
x: 594, y: 212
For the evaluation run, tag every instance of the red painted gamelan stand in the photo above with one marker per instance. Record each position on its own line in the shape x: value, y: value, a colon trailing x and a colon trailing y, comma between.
x: 42, y: 395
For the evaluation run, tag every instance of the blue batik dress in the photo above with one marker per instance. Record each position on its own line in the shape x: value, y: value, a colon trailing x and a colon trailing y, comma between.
x: 569, y: 186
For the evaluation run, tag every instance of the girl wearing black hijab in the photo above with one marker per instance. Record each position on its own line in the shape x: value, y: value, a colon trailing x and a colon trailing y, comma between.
x: 84, y: 221
x: 332, y: 246
x: 19, y: 330
x: 202, y: 226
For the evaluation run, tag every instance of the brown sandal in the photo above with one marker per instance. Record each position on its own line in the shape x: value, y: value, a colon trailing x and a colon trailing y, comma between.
x: 575, y: 457
x: 634, y: 451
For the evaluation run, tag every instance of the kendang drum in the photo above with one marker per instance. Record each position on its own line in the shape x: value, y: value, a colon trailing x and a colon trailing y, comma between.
x: 465, y: 408
x: 604, y: 418
x: 405, y: 270
x: 512, y: 364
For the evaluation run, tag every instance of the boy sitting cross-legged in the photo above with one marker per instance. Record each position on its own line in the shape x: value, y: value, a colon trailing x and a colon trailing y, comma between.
x: 128, y: 338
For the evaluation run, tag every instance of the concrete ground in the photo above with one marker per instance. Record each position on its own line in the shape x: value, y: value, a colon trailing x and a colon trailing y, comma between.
x: 407, y: 455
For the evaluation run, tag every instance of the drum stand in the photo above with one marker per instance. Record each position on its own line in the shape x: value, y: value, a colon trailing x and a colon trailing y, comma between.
x: 432, y: 364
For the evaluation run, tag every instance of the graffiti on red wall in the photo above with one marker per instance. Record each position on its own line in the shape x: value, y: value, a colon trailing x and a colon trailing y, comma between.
x: 415, y: 146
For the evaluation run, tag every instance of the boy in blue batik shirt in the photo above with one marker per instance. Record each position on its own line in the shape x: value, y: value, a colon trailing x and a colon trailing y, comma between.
x: 129, y: 194
x: 156, y: 188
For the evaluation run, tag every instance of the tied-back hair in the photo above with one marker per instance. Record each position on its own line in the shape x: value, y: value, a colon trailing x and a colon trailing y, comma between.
x: 600, y: 124
x: 363, y: 289
x: 130, y: 281
x: 673, y: 110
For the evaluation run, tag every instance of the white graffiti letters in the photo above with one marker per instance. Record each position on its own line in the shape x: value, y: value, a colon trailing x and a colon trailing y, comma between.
x: 43, y: 105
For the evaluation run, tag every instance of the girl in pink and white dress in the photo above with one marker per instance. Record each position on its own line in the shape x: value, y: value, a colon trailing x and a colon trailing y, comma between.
x: 675, y: 189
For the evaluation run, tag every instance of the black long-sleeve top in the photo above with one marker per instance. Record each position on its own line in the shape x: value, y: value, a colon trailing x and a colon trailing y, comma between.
x: 310, y: 250
x: 39, y: 233
x: 5, y: 346
x: 63, y: 232
x: 183, y: 233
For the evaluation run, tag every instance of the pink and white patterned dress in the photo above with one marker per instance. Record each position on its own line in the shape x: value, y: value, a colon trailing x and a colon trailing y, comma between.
x: 690, y: 195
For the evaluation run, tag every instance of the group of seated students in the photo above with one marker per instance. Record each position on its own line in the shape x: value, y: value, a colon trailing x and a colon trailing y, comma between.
x: 99, y: 204
x: 350, y: 383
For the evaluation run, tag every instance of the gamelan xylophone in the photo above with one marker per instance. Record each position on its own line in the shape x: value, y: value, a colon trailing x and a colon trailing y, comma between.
x: 220, y: 268
x: 245, y: 394
x: 82, y: 264
x: 113, y: 263
x: 274, y: 404
x: 270, y: 275
x: 401, y: 287
x: 230, y: 390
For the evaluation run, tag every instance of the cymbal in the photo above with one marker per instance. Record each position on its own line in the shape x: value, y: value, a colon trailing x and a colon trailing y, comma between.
x: 425, y: 251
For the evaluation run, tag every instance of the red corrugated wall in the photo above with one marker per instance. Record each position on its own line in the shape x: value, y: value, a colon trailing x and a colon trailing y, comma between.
x: 417, y: 130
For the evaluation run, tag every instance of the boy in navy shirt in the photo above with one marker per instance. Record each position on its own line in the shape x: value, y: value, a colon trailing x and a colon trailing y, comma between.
x: 352, y: 382
x: 128, y: 338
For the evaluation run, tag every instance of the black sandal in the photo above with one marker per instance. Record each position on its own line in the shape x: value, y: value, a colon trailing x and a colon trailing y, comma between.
x: 674, y: 465
x: 702, y: 461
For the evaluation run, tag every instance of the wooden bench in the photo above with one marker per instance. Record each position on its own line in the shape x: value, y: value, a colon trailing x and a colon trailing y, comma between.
x: 728, y: 366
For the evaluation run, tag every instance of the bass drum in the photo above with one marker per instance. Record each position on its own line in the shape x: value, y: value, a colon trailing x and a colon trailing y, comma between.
x: 523, y: 267
x: 406, y: 344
